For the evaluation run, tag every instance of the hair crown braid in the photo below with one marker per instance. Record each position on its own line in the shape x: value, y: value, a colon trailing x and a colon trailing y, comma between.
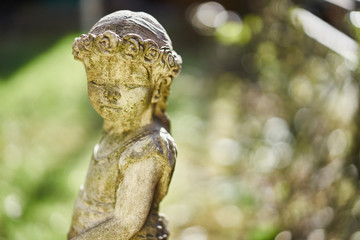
x: 129, y: 46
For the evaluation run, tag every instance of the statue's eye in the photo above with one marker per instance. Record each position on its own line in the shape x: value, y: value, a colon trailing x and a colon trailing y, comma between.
x: 132, y: 86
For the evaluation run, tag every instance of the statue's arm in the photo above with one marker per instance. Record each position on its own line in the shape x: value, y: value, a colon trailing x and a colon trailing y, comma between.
x: 134, y: 199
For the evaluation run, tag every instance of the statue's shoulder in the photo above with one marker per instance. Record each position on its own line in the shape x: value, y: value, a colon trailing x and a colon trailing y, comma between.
x: 153, y: 142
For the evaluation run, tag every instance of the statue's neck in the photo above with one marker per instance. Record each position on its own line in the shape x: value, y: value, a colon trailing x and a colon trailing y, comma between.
x: 126, y: 126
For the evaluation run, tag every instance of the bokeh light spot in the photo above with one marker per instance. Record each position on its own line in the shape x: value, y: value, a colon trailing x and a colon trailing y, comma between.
x: 264, y: 159
x: 207, y: 12
x: 337, y: 142
x: 355, y: 236
x: 356, y: 209
x: 233, y: 33
x: 225, y: 151
x: 12, y: 205
x: 284, y: 235
x: 301, y: 89
x: 179, y: 213
x: 229, y: 216
x: 355, y: 18
x: 276, y: 130
x: 194, y: 233
x: 318, y: 234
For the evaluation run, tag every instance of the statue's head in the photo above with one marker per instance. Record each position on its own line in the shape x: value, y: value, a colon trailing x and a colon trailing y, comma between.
x: 128, y: 54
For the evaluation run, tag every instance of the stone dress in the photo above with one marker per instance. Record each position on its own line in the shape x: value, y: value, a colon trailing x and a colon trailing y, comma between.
x: 96, y: 201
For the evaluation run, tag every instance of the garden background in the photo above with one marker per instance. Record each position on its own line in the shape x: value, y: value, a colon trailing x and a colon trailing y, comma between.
x: 265, y: 115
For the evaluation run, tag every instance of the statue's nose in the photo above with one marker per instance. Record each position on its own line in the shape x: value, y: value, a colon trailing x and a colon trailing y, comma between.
x: 112, y: 94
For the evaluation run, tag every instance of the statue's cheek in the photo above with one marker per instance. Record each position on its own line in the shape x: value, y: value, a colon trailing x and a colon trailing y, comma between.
x: 143, y: 95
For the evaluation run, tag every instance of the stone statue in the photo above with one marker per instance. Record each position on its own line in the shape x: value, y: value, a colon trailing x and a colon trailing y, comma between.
x: 130, y: 63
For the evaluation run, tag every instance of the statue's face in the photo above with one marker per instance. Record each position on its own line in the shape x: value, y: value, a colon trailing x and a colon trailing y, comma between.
x: 119, y: 92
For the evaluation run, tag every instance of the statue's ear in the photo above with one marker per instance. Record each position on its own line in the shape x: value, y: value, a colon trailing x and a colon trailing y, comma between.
x: 157, y: 92
x: 161, y: 89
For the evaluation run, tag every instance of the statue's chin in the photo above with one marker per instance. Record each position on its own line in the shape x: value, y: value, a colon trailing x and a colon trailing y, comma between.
x: 110, y: 114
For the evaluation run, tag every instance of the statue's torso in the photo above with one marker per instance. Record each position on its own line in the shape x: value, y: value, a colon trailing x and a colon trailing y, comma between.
x: 97, y: 198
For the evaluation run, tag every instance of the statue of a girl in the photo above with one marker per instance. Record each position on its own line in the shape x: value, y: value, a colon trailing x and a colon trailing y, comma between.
x: 130, y: 64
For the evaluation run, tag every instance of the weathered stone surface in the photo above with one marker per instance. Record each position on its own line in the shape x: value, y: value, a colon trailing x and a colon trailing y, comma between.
x: 130, y: 64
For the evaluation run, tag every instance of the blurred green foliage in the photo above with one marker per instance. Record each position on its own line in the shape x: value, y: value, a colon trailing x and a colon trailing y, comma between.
x: 46, y: 124
x: 266, y: 126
